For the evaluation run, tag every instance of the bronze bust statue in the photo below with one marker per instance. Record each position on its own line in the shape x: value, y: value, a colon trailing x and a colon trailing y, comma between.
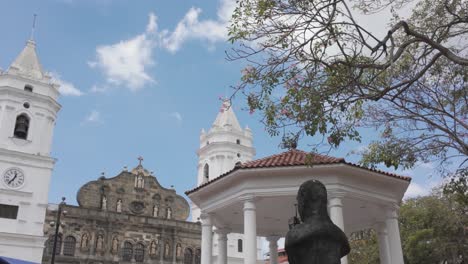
x: 316, y: 240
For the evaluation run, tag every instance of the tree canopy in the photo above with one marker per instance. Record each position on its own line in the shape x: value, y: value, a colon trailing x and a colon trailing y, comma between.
x: 315, y: 70
x: 433, y: 230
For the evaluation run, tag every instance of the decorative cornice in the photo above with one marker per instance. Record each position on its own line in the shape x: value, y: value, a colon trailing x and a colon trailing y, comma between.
x: 6, y: 90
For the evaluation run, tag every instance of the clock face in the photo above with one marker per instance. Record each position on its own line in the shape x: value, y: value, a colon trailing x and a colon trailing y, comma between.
x: 13, y: 178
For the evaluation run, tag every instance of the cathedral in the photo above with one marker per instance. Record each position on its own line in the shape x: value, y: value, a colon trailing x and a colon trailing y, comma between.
x: 126, y: 218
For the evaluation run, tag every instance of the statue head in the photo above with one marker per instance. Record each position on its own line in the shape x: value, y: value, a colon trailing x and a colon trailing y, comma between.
x: 312, y: 200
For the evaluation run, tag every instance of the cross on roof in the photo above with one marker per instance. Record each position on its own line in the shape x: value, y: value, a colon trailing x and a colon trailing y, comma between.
x: 140, y: 159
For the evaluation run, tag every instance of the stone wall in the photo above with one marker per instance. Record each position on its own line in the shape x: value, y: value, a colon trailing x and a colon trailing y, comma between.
x: 93, y: 233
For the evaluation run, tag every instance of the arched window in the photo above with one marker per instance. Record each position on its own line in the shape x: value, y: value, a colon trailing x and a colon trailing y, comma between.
x: 206, y: 172
x: 188, y: 256
x: 139, y: 252
x: 127, y: 251
x: 50, y: 245
x: 69, y: 246
x: 238, y: 141
x: 197, y: 256
x: 28, y: 88
x: 239, y: 245
x: 21, y: 126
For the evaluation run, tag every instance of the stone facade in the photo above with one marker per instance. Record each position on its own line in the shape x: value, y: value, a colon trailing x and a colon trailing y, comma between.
x: 129, y: 218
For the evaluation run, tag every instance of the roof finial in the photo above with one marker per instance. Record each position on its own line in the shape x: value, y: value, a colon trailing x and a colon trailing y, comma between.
x: 140, y: 159
x: 33, y: 27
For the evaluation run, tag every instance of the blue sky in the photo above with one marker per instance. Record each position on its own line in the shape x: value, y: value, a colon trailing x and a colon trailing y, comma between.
x: 138, y: 78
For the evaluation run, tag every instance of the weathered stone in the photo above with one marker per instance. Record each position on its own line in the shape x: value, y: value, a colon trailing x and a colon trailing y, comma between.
x: 100, y: 233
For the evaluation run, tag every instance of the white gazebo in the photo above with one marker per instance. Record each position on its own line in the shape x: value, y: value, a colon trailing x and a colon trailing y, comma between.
x: 258, y: 198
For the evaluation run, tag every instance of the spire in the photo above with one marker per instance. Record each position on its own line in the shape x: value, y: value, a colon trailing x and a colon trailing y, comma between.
x: 226, y: 118
x: 27, y: 63
x: 33, y: 28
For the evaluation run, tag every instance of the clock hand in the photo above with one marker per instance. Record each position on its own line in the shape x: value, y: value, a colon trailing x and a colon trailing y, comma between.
x: 13, y: 178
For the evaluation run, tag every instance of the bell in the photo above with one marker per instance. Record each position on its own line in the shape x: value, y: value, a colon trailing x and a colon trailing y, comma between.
x: 21, y: 128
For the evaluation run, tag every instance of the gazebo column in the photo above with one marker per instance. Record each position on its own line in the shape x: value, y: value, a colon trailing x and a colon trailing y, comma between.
x: 222, y: 245
x: 394, y: 240
x: 273, y: 241
x: 336, y: 215
x: 250, y: 231
x: 207, y: 239
x: 384, y: 250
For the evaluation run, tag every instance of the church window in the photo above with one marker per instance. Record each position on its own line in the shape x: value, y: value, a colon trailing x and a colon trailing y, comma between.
x: 50, y: 245
x: 8, y: 211
x: 21, y: 126
x: 28, y: 88
x: 26, y: 105
x: 238, y: 141
x: 238, y: 155
x: 206, y: 172
x: 139, y: 252
x: 197, y: 256
x: 239, y: 245
x: 69, y: 246
x: 127, y: 251
x: 188, y: 256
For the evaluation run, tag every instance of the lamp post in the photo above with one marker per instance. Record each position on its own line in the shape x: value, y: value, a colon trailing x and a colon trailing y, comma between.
x: 57, y: 226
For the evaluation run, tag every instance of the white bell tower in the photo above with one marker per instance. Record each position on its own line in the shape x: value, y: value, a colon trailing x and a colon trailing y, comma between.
x: 224, y: 145
x: 28, y: 110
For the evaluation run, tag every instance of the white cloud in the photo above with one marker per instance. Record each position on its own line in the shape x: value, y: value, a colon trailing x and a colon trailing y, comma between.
x: 191, y: 27
x: 99, y: 89
x: 177, y: 117
x: 66, y: 88
x: 152, y: 24
x: 126, y: 63
x: 415, y: 190
x: 93, y: 117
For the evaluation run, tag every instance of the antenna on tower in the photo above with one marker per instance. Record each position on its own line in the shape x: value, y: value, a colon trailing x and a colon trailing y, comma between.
x: 33, y: 27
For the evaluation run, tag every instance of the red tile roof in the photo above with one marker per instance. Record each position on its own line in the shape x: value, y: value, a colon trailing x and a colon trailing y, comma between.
x: 292, y: 158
